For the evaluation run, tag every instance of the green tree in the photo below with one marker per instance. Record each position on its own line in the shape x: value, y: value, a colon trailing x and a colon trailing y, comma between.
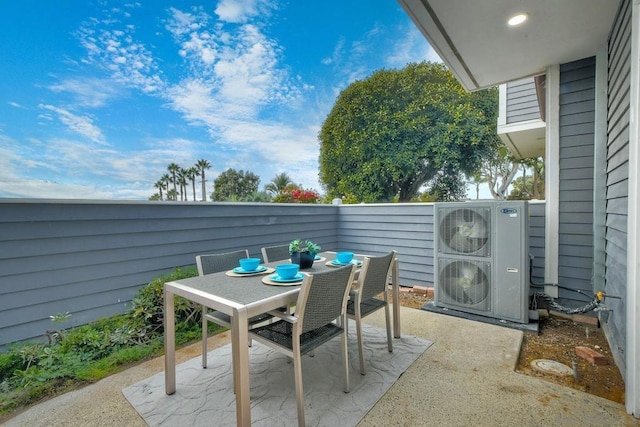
x: 278, y: 184
x: 235, y: 185
x: 203, y: 165
x: 389, y: 135
x: 258, y: 197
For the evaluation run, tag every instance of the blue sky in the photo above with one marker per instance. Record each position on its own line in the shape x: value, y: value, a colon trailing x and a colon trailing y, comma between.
x: 98, y: 97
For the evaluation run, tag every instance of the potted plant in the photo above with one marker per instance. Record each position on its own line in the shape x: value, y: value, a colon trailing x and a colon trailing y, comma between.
x: 303, y: 252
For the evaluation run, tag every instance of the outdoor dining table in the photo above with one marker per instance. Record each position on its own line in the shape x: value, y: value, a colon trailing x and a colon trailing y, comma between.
x: 242, y: 298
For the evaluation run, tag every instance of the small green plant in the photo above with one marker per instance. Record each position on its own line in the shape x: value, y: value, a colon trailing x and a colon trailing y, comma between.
x: 298, y: 245
x: 57, y: 334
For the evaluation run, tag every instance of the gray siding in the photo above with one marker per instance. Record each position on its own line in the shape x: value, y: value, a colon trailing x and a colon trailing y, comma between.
x: 619, y: 50
x: 577, y: 119
x: 90, y: 258
x: 522, y: 101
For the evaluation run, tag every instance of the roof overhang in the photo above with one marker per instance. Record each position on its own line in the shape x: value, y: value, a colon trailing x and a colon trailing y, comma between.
x: 472, y: 36
x: 525, y: 139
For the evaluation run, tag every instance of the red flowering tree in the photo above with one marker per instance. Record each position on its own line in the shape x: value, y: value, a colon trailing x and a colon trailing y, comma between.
x: 295, y: 194
x: 305, y: 196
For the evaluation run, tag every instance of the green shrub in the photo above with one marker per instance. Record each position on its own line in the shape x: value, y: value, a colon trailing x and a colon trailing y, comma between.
x: 29, y: 371
x: 148, y: 305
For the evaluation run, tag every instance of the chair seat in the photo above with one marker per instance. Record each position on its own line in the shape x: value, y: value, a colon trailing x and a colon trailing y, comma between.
x: 280, y: 332
x: 223, y: 318
x: 366, y: 306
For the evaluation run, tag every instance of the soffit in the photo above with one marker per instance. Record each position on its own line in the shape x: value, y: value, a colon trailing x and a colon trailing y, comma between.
x: 472, y: 36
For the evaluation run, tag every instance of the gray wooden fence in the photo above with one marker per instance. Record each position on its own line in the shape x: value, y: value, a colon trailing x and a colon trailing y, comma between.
x: 90, y: 258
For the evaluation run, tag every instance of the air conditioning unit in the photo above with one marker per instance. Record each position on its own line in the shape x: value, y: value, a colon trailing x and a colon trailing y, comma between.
x: 482, y: 258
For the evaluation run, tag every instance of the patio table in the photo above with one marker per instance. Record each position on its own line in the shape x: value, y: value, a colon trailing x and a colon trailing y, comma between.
x: 241, y: 298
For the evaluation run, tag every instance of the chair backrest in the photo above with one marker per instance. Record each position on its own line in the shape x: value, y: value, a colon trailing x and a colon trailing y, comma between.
x: 215, y: 263
x: 374, y: 275
x: 323, y: 297
x: 275, y: 253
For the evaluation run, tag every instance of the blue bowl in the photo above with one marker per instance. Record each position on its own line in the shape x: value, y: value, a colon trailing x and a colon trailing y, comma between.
x: 344, y: 257
x: 287, y: 271
x: 249, y: 264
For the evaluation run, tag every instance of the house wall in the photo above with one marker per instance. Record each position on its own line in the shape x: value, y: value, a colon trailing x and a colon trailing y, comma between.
x: 576, y: 158
x: 522, y: 101
x: 91, y: 258
x: 619, y: 52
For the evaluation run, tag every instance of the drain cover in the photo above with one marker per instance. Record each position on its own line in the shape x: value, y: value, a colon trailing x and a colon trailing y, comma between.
x: 551, y: 367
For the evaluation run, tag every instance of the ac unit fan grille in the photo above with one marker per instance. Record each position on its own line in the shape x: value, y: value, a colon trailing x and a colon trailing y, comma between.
x: 464, y: 283
x: 465, y: 231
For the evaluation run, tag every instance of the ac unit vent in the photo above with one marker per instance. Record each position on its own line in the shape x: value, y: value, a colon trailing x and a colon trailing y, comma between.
x: 466, y: 231
x: 466, y: 283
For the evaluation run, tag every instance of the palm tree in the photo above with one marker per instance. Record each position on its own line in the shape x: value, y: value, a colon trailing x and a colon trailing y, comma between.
x: 160, y: 185
x: 173, y: 169
x: 172, y: 194
x: 278, y: 184
x: 476, y: 179
x: 203, y: 165
x: 192, y: 173
x: 166, y: 180
x: 182, y: 181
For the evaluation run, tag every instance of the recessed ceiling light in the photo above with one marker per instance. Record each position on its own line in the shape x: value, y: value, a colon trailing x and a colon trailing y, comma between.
x: 517, y: 19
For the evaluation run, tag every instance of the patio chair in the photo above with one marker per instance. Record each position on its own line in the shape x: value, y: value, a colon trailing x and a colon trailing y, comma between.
x: 215, y: 263
x: 275, y: 253
x: 373, y: 280
x: 322, y: 299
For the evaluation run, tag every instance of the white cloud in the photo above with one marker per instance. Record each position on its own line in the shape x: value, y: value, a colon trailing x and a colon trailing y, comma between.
x: 82, y: 125
x: 15, y: 104
x: 238, y: 68
x: 338, y: 52
x: 127, y: 61
x: 240, y: 11
x: 88, y: 92
x: 412, y: 47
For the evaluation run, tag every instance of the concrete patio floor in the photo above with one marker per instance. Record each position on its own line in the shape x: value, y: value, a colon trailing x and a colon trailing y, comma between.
x: 466, y: 378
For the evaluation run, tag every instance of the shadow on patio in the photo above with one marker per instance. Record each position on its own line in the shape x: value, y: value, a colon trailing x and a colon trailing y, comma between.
x: 466, y: 377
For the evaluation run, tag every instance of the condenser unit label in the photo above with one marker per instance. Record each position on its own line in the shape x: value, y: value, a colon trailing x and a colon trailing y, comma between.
x: 513, y: 213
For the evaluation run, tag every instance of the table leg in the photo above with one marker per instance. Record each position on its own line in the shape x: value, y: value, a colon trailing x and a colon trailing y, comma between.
x: 240, y: 350
x: 395, y: 274
x: 169, y: 343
